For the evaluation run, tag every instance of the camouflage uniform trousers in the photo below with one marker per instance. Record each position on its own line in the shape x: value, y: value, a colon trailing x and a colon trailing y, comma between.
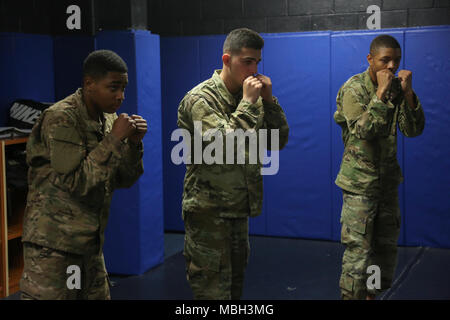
x: 216, y: 252
x: 370, y: 230
x: 45, y: 275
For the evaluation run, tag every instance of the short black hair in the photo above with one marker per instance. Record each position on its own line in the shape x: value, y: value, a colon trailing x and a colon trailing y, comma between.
x: 98, y: 63
x: 242, y: 38
x: 383, y: 41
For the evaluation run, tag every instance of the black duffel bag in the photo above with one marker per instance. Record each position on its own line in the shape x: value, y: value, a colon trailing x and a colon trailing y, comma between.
x: 24, y: 113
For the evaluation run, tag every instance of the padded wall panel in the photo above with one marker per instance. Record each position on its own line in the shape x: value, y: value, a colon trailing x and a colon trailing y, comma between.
x: 427, y: 157
x: 210, y: 55
x: 134, y: 237
x: 348, y: 57
x: 27, y: 70
x: 151, y: 227
x: 180, y: 72
x: 70, y: 53
x: 298, y: 197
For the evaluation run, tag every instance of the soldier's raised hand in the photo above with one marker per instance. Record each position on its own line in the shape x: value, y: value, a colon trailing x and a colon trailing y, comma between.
x: 252, y: 89
x: 266, y: 91
x: 123, y: 127
x: 384, y: 80
x: 141, y: 129
x: 405, y: 77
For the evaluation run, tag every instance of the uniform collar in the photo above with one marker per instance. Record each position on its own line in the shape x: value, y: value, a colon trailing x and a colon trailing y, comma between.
x: 368, y: 81
x: 232, y: 100
x: 91, y: 125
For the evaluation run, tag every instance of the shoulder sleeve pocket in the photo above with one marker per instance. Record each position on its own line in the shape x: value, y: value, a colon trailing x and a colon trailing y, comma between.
x: 66, y: 150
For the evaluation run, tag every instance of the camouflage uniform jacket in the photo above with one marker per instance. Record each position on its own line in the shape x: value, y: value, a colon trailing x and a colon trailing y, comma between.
x: 369, y: 131
x: 228, y: 190
x: 74, y: 166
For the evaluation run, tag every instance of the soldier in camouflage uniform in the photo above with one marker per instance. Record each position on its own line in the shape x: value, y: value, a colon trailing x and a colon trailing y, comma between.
x: 219, y: 198
x: 369, y: 107
x: 79, y: 152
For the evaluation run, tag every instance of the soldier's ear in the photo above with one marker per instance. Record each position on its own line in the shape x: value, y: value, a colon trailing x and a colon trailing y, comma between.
x: 370, y: 59
x: 88, y: 82
x: 226, y: 59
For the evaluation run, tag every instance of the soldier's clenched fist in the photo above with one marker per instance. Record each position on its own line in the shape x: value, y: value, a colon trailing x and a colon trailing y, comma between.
x: 384, y: 80
x: 124, y: 127
x: 405, y: 77
x: 266, y: 91
x: 252, y: 89
x: 141, y: 129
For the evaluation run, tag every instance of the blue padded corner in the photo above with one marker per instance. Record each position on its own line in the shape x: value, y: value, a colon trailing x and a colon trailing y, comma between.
x: 148, y: 66
x: 134, y: 240
x: 427, y: 157
x: 27, y: 70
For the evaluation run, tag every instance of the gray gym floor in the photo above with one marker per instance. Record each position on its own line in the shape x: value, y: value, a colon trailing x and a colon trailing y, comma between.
x: 290, y: 269
x: 293, y: 269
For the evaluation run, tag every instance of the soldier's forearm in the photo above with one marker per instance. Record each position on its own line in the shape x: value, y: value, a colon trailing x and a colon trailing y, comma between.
x: 374, y: 122
x: 409, y: 97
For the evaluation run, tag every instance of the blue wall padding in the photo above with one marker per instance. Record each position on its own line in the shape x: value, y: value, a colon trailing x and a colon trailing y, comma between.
x: 427, y: 159
x: 70, y: 53
x: 307, y: 70
x: 298, y: 197
x: 134, y: 237
x: 180, y: 71
x: 26, y: 70
x: 151, y: 225
x: 210, y: 55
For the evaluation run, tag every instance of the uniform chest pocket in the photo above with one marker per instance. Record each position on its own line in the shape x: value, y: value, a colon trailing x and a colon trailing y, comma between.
x: 92, y: 141
x: 66, y: 150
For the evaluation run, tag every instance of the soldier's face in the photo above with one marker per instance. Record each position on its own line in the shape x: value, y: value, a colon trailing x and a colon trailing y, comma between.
x: 384, y: 58
x: 107, y: 93
x: 244, y: 64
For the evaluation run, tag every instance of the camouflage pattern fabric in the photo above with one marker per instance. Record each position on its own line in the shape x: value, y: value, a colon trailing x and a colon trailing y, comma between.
x: 369, y: 132
x: 45, y: 275
x: 232, y: 190
x: 370, y: 229
x: 75, y: 165
x: 216, y: 251
x: 219, y: 198
x: 369, y: 177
